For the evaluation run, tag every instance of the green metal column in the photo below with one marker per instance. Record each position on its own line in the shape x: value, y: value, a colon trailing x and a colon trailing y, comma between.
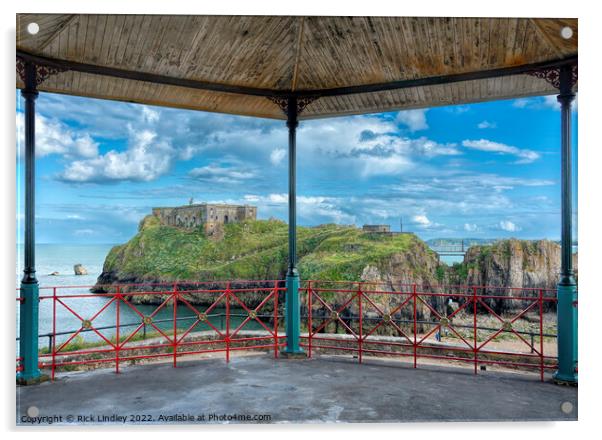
x: 28, y: 315
x: 567, y: 287
x: 292, y: 306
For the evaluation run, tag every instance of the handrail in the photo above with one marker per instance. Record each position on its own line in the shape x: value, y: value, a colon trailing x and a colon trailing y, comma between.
x: 268, y: 316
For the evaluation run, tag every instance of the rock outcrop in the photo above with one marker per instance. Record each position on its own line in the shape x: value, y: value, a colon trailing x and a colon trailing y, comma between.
x: 519, y: 264
x: 78, y: 269
x: 514, y: 263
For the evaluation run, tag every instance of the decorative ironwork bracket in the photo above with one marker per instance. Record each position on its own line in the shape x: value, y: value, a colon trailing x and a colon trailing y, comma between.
x: 302, y: 102
x: 552, y: 75
x: 43, y: 72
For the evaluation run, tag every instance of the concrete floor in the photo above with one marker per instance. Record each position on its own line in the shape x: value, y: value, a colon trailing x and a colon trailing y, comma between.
x: 326, y: 389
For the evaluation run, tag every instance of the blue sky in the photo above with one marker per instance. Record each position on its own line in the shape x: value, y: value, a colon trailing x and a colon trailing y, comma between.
x: 483, y: 170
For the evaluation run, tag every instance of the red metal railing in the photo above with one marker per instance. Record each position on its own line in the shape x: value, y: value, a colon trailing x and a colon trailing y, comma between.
x: 255, y: 301
x: 418, y: 322
x: 483, y: 325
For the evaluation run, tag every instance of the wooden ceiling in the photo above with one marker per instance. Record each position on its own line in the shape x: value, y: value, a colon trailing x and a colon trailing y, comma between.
x: 283, y: 54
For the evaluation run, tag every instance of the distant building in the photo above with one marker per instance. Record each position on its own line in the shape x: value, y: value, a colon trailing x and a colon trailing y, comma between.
x: 208, y: 216
x: 377, y: 228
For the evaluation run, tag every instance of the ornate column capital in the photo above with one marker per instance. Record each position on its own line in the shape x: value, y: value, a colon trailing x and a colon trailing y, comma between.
x: 552, y: 75
x: 43, y: 72
x: 302, y: 102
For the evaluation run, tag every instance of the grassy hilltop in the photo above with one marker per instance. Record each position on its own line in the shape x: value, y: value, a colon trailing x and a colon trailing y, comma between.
x: 258, y: 249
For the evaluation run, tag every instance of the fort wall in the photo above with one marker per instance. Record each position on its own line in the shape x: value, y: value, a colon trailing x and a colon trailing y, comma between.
x: 208, y: 216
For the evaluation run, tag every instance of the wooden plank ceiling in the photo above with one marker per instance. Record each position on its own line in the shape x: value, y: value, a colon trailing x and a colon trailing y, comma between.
x: 295, y: 53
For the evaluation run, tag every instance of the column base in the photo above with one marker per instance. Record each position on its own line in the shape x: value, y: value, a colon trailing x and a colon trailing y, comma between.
x: 567, y: 380
x: 293, y: 355
x: 25, y: 381
x: 566, y: 374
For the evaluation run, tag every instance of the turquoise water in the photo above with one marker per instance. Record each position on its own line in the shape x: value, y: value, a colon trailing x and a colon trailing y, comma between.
x: 451, y: 259
x: 61, y: 258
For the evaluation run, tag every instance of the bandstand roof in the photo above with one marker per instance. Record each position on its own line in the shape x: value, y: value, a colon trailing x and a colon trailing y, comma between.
x: 231, y: 64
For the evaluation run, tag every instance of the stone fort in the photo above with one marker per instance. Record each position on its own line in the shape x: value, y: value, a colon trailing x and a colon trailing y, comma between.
x: 211, y: 217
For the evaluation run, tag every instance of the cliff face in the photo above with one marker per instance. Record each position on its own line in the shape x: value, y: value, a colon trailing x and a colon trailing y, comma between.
x: 513, y: 263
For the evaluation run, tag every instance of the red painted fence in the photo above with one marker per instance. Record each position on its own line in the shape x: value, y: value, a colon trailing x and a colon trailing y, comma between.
x: 174, y: 342
x: 424, y: 327
x: 475, y: 325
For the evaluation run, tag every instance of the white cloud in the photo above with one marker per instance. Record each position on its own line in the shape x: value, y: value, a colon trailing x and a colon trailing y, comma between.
x: 552, y: 102
x: 507, y: 225
x: 542, y: 103
x: 521, y: 103
x: 149, y: 115
x: 365, y: 146
x: 486, y: 124
x: 524, y: 156
x: 384, y: 166
x: 358, y: 146
x: 187, y: 152
x: 470, y: 227
x: 311, y: 209
x: 277, y: 155
x: 145, y: 159
x: 216, y: 173
x: 279, y: 198
x: 423, y: 222
x: 54, y: 137
x: 415, y: 120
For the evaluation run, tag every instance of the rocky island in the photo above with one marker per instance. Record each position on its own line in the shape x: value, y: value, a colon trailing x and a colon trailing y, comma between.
x: 248, y: 249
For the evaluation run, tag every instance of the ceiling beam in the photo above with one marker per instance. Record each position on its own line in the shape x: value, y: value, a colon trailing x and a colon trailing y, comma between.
x: 443, y: 79
x: 270, y: 93
x: 147, y: 77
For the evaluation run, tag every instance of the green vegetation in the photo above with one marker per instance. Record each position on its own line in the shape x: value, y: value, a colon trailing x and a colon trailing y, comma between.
x: 254, y: 249
x: 440, y: 274
x: 79, y: 343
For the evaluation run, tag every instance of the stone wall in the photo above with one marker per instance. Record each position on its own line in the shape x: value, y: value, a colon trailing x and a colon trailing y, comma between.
x: 209, y: 216
x: 376, y: 228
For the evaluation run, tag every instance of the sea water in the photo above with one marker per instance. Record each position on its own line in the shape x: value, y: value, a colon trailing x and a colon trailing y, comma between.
x: 61, y: 258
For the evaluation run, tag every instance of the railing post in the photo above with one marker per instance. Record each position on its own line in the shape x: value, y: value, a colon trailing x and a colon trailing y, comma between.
x: 30, y: 294
x: 276, y: 292
x: 117, y: 332
x: 53, y: 347
x: 310, y: 324
x: 475, y: 333
x: 360, y: 341
x: 415, y: 326
x: 175, y: 325
x: 228, y: 322
x: 541, y: 358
